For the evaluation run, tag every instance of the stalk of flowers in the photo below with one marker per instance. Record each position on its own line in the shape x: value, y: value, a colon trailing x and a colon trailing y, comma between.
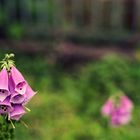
x: 15, y: 92
x: 118, y: 109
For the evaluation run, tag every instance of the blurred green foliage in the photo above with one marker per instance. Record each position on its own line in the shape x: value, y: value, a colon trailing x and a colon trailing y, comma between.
x: 6, y: 129
x: 15, y: 31
x: 67, y: 105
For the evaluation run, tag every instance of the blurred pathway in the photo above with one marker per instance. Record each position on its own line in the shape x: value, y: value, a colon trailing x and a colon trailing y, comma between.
x: 68, y: 52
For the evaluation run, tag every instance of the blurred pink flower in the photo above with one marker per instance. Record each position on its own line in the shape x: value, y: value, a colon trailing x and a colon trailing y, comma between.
x: 119, y: 111
x: 107, y: 108
x: 120, y: 117
x: 126, y: 103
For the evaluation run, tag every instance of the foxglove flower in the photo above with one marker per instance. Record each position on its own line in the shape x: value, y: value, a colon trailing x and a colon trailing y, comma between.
x: 15, y: 92
x: 119, y: 111
x: 17, y: 112
x: 5, y: 106
x: 17, y: 98
x: 4, y: 90
x: 19, y: 82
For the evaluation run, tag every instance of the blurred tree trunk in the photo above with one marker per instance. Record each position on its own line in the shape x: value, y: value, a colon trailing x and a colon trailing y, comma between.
x: 129, y: 15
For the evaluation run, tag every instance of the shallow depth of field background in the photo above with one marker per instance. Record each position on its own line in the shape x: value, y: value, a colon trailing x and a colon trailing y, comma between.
x: 75, y: 54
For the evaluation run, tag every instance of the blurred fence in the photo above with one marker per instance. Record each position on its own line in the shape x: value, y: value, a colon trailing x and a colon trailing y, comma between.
x: 63, y: 17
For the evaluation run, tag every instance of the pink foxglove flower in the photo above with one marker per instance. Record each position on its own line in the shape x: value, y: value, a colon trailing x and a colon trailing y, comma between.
x: 17, y: 112
x: 119, y: 111
x: 19, y: 82
x: 15, y: 93
x: 5, y: 106
x: 4, y: 90
x: 17, y: 98
x: 20, y: 95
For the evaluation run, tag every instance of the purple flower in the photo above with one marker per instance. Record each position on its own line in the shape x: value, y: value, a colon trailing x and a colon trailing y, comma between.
x: 17, y: 112
x: 17, y: 98
x: 5, y: 106
x: 119, y: 111
x: 19, y: 82
x: 4, y: 90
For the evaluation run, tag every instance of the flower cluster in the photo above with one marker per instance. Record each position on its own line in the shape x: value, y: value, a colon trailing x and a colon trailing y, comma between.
x: 15, y: 93
x: 118, y: 110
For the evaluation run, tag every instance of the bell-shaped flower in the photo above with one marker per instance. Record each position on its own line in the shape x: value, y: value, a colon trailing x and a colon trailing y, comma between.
x: 4, y: 90
x: 20, y: 84
x: 17, y: 98
x: 29, y: 94
x: 17, y: 112
x: 5, y: 106
x: 107, y: 108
